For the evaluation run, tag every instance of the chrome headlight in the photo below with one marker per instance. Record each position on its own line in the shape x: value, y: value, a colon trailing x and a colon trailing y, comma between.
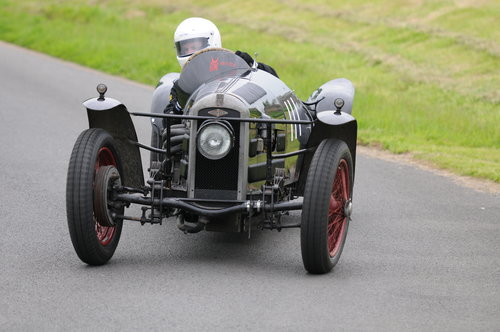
x: 215, y: 139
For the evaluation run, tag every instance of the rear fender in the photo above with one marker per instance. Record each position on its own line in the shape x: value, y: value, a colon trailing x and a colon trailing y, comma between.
x: 112, y: 116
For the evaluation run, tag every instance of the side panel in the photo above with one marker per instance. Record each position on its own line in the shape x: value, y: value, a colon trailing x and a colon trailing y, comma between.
x: 161, y: 96
x: 160, y: 100
x: 118, y: 123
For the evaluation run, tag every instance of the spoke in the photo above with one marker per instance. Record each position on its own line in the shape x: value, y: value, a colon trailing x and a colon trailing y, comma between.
x: 335, y: 223
x: 331, y: 243
x: 336, y: 216
x: 333, y: 238
x: 345, y: 187
x: 334, y: 207
x: 336, y: 186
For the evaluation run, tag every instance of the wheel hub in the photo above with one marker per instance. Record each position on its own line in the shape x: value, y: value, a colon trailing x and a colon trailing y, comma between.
x: 348, y: 208
x: 106, y: 178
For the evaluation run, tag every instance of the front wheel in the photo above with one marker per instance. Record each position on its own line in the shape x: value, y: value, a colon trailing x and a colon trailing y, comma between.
x: 94, y: 157
x: 327, y: 206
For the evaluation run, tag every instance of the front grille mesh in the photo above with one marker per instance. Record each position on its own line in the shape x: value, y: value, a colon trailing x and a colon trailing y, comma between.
x: 219, y: 174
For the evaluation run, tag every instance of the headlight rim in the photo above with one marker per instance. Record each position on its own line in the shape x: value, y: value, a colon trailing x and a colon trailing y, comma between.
x: 217, y: 122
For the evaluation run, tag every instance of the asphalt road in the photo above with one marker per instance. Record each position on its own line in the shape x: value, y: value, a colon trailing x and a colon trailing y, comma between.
x: 423, y: 253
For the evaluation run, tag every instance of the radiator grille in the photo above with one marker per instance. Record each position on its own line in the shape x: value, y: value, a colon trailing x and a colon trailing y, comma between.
x: 219, y: 174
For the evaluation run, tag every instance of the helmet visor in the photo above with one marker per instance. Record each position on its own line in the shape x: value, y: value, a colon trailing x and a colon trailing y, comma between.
x: 189, y: 46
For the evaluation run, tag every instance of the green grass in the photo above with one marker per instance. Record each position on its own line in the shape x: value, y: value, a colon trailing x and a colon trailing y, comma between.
x: 427, y: 73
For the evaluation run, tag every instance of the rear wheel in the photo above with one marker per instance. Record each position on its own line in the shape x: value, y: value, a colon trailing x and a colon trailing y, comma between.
x: 94, y: 159
x: 327, y: 206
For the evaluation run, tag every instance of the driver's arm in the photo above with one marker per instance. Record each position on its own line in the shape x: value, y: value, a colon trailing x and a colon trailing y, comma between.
x: 248, y: 59
x: 173, y: 107
x: 178, y: 99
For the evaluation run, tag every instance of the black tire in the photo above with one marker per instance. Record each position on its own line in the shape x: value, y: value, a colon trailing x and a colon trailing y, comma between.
x: 93, y: 243
x: 327, y: 206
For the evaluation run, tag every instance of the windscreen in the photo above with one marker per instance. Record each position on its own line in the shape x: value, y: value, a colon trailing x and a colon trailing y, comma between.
x: 190, y: 46
x: 209, y: 65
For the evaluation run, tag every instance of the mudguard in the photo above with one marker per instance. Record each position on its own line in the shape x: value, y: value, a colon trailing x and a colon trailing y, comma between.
x: 326, y: 94
x: 330, y: 124
x: 346, y: 132
x: 112, y: 116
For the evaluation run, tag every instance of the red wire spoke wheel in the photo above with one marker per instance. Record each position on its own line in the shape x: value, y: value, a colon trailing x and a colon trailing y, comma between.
x: 327, y: 206
x: 94, y: 151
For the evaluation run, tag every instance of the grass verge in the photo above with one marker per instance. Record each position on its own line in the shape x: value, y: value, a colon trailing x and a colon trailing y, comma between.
x: 427, y: 74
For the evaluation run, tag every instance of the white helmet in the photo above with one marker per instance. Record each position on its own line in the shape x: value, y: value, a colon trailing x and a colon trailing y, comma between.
x: 193, y: 35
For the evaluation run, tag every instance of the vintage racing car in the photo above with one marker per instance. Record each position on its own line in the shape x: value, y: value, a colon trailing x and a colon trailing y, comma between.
x: 242, y: 154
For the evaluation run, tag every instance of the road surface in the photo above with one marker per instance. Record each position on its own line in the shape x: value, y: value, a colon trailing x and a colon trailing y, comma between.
x: 423, y: 253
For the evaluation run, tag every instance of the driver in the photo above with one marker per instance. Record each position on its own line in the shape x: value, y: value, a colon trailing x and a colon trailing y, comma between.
x: 195, y: 34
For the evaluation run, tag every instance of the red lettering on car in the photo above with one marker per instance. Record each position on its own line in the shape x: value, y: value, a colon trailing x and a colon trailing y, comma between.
x: 214, y: 64
x: 229, y: 64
